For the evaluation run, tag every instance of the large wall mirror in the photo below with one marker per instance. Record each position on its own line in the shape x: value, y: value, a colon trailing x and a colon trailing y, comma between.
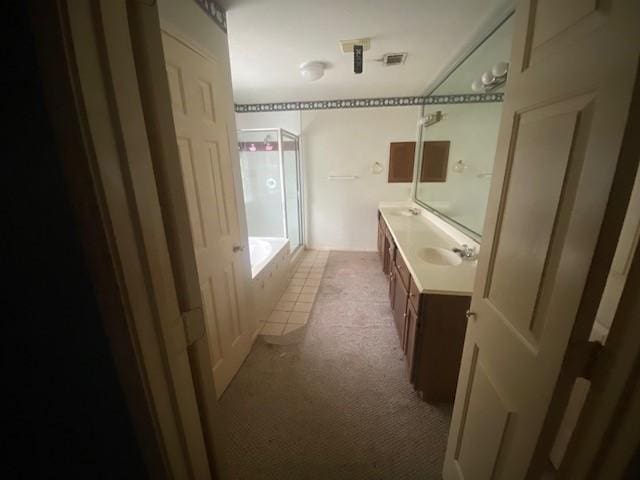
x: 457, y: 142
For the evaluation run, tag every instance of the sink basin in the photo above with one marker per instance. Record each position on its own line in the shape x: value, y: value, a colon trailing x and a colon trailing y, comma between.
x: 403, y: 213
x: 439, y: 256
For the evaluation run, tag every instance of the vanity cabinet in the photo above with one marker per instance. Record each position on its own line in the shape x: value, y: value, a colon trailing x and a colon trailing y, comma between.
x: 386, y: 246
x: 381, y: 237
x: 398, y: 297
x: 410, y: 338
x: 430, y: 327
x: 403, y: 271
x: 439, y: 342
x: 392, y: 288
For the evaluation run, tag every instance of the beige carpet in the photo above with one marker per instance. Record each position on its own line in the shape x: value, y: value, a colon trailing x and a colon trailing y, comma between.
x: 337, y: 405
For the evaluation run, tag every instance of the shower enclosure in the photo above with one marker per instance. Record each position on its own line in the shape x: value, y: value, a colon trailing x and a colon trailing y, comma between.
x: 271, y: 180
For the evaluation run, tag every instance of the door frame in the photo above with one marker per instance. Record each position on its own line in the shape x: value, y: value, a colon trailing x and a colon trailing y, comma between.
x: 300, y: 195
x: 93, y: 98
x: 608, y: 429
x: 575, y: 353
x: 125, y: 276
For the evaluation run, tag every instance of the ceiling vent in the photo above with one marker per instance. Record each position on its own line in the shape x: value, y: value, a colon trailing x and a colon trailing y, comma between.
x: 391, y: 59
x: 346, y: 46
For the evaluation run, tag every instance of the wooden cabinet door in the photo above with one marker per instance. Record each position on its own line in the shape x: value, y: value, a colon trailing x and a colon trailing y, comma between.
x: 392, y: 289
x: 403, y: 271
x: 414, y: 295
x: 401, y: 157
x: 389, y: 253
x: 401, y: 297
x: 381, y: 238
x: 411, y: 329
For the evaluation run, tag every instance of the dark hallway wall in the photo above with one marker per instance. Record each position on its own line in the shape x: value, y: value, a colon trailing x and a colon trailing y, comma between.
x: 65, y: 413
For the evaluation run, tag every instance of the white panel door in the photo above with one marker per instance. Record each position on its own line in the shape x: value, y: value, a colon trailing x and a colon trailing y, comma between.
x: 200, y: 98
x: 571, y: 77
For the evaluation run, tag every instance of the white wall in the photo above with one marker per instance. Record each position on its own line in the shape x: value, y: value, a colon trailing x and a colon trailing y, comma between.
x: 288, y: 120
x: 341, y: 215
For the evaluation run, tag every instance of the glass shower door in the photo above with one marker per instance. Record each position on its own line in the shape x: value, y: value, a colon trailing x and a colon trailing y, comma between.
x: 262, y: 183
x: 292, y: 188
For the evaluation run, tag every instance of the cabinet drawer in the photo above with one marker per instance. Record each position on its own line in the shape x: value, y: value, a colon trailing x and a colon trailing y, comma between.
x: 414, y: 295
x: 403, y: 271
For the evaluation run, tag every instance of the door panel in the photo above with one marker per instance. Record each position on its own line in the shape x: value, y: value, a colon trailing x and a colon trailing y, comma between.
x: 553, y: 20
x: 573, y: 66
x: 487, y: 418
x: 215, y: 177
x: 544, y: 142
x: 198, y: 90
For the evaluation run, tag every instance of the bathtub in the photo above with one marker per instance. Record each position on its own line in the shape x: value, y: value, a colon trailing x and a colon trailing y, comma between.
x: 262, y: 250
x: 270, y: 267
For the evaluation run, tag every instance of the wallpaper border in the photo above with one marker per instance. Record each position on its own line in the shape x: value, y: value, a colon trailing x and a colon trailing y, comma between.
x: 369, y: 102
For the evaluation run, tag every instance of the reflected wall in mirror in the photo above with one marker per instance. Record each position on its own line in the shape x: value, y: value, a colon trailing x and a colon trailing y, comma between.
x: 459, y: 149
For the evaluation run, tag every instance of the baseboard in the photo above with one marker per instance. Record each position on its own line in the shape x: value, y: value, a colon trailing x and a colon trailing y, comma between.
x: 340, y: 249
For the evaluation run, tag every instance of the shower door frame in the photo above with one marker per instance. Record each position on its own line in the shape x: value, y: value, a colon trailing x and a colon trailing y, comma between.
x: 299, y: 196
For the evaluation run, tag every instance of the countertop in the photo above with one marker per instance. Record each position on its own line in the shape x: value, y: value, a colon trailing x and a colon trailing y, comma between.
x: 413, y: 233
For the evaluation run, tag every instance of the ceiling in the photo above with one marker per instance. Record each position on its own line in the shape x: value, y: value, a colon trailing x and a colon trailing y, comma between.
x: 269, y: 39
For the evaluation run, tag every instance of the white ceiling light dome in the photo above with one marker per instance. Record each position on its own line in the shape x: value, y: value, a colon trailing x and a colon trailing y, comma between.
x: 477, y: 86
x: 487, y: 78
x: 500, y: 69
x: 312, y: 71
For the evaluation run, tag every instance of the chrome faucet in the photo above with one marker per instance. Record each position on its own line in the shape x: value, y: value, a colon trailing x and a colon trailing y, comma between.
x: 414, y: 211
x: 466, y: 252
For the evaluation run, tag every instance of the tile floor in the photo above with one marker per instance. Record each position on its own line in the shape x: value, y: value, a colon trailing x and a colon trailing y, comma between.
x: 294, y: 307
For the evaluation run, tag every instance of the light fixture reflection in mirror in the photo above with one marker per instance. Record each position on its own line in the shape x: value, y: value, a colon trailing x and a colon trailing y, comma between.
x: 491, y: 79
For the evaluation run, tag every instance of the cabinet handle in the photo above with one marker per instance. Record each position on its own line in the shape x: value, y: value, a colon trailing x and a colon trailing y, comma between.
x: 470, y: 315
x: 405, y: 314
x: 411, y: 295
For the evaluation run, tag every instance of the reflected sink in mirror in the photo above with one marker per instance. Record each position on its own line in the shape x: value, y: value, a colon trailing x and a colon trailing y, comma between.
x: 439, y: 256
